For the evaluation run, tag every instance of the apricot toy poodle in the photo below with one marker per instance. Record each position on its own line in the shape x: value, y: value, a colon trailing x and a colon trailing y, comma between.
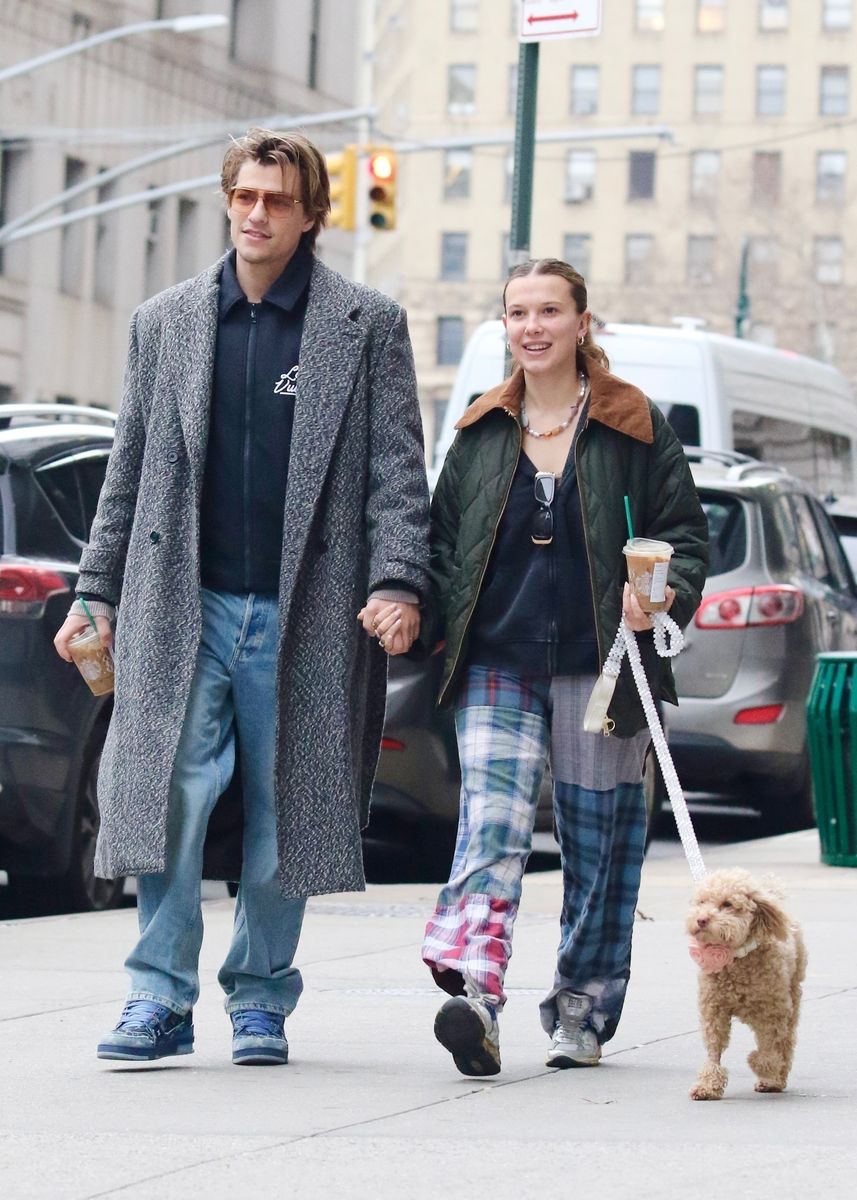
x: 751, y: 960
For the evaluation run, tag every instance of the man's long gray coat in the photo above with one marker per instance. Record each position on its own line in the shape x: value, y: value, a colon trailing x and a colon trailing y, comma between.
x: 356, y: 514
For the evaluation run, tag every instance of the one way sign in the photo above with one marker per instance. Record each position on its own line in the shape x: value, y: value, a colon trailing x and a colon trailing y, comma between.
x: 542, y: 20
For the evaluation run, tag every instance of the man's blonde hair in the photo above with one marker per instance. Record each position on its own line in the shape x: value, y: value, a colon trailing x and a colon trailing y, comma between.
x: 284, y: 150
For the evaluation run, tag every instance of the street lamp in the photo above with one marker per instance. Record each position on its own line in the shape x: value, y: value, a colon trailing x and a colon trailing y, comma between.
x: 189, y: 24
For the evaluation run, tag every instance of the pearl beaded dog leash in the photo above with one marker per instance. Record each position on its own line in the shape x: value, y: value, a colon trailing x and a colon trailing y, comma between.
x: 669, y: 641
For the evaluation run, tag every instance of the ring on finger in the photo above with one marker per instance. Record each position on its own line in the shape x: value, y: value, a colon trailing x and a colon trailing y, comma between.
x: 382, y: 643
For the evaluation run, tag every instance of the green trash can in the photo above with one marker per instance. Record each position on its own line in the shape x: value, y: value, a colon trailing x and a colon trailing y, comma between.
x: 831, y: 730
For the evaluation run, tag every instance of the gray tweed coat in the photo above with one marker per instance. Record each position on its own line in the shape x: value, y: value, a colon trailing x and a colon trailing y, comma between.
x: 356, y: 514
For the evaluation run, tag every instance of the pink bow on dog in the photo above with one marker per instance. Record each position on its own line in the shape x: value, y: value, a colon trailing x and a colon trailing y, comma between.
x: 708, y: 958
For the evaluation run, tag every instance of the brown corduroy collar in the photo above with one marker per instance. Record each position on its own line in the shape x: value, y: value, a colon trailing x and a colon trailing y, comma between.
x: 612, y: 401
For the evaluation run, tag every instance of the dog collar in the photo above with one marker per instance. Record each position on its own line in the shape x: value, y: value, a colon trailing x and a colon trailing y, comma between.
x: 750, y: 944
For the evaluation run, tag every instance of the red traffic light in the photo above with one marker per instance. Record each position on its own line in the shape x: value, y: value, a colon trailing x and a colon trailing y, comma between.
x: 382, y: 166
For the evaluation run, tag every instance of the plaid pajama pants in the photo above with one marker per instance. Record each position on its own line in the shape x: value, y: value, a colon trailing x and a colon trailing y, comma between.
x: 509, y: 727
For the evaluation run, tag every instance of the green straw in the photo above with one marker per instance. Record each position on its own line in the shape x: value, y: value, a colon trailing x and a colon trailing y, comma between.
x: 628, y: 517
x: 92, y: 618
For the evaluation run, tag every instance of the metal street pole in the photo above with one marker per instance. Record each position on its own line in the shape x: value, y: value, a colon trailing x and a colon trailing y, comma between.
x: 525, y: 146
x: 270, y: 121
x: 189, y: 24
x: 742, y: 307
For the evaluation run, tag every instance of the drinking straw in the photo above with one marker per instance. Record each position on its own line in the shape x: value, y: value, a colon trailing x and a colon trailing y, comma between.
x: 628, y: 517
x: 92, y: 618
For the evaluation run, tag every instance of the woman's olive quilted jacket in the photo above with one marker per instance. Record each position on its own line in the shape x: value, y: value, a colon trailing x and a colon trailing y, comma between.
x: 625, y: 448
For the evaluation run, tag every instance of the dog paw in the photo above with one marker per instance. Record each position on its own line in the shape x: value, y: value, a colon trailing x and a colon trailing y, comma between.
x: 700, y: 1091
x: 766, y: 1085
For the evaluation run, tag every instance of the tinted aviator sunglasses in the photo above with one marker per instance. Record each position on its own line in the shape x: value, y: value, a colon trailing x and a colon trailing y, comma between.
x: 277, y: 204
x: 545, y: 490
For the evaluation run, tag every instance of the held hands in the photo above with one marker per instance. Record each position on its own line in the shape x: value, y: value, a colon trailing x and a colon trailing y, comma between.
x: 394, y: 624
x: 73, y: 625
x: 635, y: 618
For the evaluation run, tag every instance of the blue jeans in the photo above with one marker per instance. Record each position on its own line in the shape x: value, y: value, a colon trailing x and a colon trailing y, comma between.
x: 233, y: 692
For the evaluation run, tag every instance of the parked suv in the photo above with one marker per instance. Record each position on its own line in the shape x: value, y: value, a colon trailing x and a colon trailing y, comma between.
x: 52, y: 463
x: 779, y: 591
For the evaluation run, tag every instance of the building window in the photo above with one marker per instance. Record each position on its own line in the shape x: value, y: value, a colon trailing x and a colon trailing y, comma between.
x: 450, y: 341
x: 639, y: 253
x: 711, y: 16
x: 153, y: 249
x: 505, y: 256
x: 770, y: 91
x: 464, y: 16
x: 508, y: 177
x: 457, y: 169
x: 833, y: 101
x: 650, y: 16
x: 763, y: 261
x: 837, y: 14
x: 767, y: 176
x: 830, y: 166
x: 13, y: 203
x: 577, y: 250
x: 828, y: 260
x: 461, y: 88
x: 824, y: 341
x: 453, y: 256
x: 584, y: 91
x: 700, y: 260
x: 646, y: 91
x: 579, y: 176
x: 187, y: 238
x: 773, y: 14
x: 704, y: 174
x: 708, y: 91
x: 104, y: 279
x: 641, y: 175
x: 72, y: 236
x: 512, y: 90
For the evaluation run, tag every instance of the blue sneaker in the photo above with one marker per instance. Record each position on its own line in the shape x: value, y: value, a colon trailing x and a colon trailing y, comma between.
x: 147, y: 1031
x: 258, y: 1039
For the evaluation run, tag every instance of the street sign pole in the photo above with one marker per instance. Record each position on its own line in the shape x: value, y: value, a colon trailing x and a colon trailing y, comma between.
x: 525, y: 148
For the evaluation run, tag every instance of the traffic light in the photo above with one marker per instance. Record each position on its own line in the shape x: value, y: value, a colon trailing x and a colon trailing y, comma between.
x: 382, y: 188
x: 342, y: 169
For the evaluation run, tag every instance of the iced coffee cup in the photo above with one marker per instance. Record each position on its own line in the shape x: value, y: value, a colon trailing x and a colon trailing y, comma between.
x: 648, y: 565
x: 94, y: 661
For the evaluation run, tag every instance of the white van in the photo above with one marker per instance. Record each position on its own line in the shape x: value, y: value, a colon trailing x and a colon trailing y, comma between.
x: 719, y: 392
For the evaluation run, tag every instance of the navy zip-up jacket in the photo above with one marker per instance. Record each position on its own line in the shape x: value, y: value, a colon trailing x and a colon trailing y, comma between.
x: 250, y: 429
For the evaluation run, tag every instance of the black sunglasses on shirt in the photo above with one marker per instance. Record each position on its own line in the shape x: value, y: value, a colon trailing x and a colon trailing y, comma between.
x: 545, y: 490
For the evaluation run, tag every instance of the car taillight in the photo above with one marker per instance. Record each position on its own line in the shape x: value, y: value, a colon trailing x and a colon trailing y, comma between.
x: 765, y: 714
x: 743, y: 607
x: 389, y: 743
x: 24, y: 589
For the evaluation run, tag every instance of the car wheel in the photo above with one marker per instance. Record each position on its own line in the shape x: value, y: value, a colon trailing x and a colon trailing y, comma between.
x: 80, y: 889
x: 790, y: 808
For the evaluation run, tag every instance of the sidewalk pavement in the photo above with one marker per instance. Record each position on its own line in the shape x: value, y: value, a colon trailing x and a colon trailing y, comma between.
x: 371, y: 1106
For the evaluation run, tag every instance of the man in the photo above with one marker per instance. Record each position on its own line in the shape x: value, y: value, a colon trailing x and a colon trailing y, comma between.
x: 266, y: 478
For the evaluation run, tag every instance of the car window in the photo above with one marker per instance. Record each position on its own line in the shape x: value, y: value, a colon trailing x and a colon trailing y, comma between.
x: 812, y: 550
x: 840, y: 572
x: 785, y: 527
x: 72, y: 486
x: 727, y: 532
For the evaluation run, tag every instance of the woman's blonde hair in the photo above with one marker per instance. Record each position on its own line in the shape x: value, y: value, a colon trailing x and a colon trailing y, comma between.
x: 555, y: 266
x: 284, y: 150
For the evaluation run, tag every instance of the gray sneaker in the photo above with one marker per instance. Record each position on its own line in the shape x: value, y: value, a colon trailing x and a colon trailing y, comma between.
x: 574, y: 1043
x: 468, y: 1029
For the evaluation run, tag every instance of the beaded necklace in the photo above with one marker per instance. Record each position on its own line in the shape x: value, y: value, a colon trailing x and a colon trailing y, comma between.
x: 549, y: 433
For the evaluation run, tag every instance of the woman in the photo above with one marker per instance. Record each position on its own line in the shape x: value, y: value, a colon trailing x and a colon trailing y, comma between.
x: 528, y: 525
